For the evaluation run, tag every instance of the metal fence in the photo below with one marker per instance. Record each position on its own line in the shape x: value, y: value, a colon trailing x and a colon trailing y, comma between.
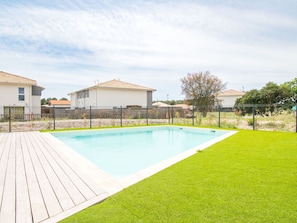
x: 253, y: 117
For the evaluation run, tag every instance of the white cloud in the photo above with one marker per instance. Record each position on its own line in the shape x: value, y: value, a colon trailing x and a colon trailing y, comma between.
x: 146, y: 43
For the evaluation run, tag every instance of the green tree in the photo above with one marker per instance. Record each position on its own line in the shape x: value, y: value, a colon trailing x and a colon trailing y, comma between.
x: 249, y: 99
x: 271, y: 94
x: 201, y: 89
x: 291, y: 87
x: 43, y: 101
x: 46, y: 101
x: 266, y: 99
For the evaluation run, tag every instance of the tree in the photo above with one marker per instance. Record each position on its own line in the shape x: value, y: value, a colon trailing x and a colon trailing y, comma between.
x: 291, y: 100
x: 201, y: 88
x: 244, y: 104
x: 43, y: 101
x: 265, y: 100
x: 46, y: 101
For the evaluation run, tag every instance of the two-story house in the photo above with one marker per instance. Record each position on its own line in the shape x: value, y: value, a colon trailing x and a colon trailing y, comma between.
x: 228, y: 98
x: 19, y: 96
x: 110, y: 94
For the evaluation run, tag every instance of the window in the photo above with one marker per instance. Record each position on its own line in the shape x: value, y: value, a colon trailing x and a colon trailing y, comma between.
x: 83, y: 94
x: 21, y: 94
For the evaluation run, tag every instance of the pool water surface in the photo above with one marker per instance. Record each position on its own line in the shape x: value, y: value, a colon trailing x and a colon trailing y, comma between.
x: 125, y: 151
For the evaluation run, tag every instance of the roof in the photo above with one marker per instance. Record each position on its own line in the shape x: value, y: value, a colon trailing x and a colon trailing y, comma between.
x: 183, y: 106
x: 117, y: 84
x: 123, y: 85
x: 231, y: 92
x: 8, y: 78
x: 59, y: 102
x: 161, y: 104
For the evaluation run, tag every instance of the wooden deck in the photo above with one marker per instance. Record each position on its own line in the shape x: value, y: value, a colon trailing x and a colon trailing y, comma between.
x: 42, y: 180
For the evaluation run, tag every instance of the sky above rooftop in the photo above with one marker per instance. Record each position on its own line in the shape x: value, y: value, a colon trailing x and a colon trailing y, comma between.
x: 73, y: 44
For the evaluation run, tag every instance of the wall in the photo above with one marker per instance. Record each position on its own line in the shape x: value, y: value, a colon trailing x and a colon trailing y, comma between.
x: 228, y: 101
x: 9, y: 96
x: 117, y: 98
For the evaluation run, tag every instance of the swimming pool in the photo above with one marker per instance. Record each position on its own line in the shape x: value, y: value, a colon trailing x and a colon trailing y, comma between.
x: 125, y: 151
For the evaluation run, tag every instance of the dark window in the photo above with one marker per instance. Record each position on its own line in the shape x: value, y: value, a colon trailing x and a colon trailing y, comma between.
x: 83, y: 94
x: 36, y: 90
x: 21, y: 94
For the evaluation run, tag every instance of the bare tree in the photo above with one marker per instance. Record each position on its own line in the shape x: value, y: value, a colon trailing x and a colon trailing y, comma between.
x: 202, y: 88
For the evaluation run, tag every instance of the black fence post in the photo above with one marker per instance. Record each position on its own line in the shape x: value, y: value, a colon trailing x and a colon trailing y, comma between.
x: 9, y: 118
x: 193, y: 115
x: 90, y: 116
x: 121, y: 110
x: 219, y: 116
x: 168, y: 115
x: 296, y: 115
x: 54, y: 116
x: 146, y: 115
x: 172, y: 115
x: 253, y: 117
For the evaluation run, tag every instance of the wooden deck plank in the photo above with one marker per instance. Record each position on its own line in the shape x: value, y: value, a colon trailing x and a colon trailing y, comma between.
x: 42, y: 180
x: 70, y: 186
x: 38, y: 208
x: 72, y: 158
x: 3, y: 140
x: 23, y: 206
x: 91, y: 186
x: 5, y: 146
x: 51, y: 202
x: 7, y: 214
x: 48, y: 163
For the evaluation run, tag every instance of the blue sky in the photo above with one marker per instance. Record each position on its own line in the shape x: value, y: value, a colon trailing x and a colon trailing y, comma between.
x: 68, y: 45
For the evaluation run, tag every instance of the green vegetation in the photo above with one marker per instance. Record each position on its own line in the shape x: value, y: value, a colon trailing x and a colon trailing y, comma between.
x: 270, y: 99
x: 249, y: 177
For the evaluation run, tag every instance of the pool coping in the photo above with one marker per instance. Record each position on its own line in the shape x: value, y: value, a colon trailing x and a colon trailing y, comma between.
x: 147, y: 172
x: 112, y: 185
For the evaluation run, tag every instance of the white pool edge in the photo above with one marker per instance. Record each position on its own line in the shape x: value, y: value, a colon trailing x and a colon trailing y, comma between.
x: 109, y: 183
x: 136, y: 177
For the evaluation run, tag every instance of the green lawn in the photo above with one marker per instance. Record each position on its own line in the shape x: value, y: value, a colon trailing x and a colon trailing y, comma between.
x: 249, y: 177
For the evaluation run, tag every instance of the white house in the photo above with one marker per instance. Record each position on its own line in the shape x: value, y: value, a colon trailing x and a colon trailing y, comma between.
x: 110, y: 94
x: 227, y: 98
x: 21, y: 94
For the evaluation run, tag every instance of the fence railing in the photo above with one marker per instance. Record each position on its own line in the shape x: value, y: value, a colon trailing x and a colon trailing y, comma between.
x: 253, y: 117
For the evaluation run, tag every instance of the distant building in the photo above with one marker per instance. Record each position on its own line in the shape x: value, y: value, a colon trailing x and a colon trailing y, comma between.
x: 183, y: 106
x: 113, y: 93
x: 60, y: 103
x: 160, y: 104
x: 228, y: 98
x: 22, y: 95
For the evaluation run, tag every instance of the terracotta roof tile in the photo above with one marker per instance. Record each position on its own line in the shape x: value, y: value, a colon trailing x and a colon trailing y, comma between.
x: 59, y: 102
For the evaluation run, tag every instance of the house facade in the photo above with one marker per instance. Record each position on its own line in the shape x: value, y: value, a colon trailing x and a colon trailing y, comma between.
x: 19, y: 95
x: 228, y: 98
x: 111, y: 94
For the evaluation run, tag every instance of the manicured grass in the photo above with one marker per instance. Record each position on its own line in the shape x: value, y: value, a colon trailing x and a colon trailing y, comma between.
x: 249, y: 177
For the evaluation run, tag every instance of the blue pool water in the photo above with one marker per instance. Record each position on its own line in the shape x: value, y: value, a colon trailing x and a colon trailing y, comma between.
x: 122, y: 152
